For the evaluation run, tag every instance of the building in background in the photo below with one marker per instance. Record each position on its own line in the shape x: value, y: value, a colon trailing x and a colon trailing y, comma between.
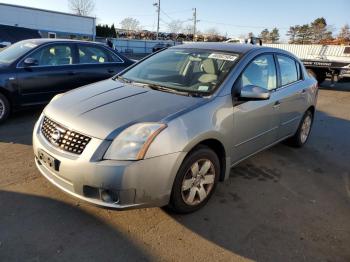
x: 49, y: 24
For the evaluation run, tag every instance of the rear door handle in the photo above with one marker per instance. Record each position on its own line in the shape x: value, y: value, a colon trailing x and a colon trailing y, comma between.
x: 72, y: 73
x: 303, y: 92
x: 111, y: 71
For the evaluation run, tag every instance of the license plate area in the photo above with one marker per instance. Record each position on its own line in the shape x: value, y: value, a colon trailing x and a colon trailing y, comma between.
x: 48, y: 161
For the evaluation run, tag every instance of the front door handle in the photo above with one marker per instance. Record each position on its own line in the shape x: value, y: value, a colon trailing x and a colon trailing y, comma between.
x: 111, y: 71
x: 277, y: 104
x: 72, y: 73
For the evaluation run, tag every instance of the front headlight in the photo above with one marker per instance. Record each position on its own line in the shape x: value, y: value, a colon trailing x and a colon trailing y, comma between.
x: 133, y: 142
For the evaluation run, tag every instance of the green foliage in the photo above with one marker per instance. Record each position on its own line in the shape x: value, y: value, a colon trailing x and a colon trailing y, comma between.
x: 270, y: 37
x: 313, y: 33
x: 106, y: 31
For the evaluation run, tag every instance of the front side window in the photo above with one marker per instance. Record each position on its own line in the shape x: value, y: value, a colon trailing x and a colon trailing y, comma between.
x: 288, y: 68
x: 187, y: 70
x: 92, y: 55
x: 54, y: 55
x: 261, y: 72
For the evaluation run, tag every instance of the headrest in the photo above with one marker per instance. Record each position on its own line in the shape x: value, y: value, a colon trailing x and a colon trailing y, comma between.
x: 209, y: 66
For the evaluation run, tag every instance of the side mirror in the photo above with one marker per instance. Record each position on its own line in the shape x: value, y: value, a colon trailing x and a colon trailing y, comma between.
x: 30, y: 62
x: 252, y: 92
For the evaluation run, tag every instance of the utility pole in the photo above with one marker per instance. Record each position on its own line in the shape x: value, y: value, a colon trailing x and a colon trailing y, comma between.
x: 158, y: 11
x: 194, y: 23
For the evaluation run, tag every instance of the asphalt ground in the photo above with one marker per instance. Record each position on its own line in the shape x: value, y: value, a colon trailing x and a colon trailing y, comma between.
x: 284, y: 204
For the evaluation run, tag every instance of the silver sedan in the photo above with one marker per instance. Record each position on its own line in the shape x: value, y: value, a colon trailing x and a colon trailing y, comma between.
x: 166, y: 130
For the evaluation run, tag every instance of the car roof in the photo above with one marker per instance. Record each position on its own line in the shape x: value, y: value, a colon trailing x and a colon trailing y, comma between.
x: 241, y: 49
x: 220, y: 46
x: 40, y: 41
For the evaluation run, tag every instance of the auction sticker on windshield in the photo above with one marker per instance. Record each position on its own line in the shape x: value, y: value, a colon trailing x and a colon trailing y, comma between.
x: 223, y: 57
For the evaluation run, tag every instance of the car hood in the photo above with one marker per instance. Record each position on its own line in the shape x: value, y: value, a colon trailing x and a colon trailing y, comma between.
x: 101, y: 109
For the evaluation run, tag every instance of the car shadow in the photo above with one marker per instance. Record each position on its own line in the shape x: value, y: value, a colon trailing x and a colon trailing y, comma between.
x: 35, y: 228
x: 18, y: 128
x: 343, y: 85
x: 284, y: 204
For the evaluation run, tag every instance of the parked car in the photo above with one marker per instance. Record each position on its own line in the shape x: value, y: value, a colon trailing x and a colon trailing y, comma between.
x: 169, y: 128
x: 160, y: 46
x: 33, y: 71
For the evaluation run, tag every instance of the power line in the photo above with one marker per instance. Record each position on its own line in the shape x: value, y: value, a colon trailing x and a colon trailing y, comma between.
x: 241, y: 26
x: 172, y: 19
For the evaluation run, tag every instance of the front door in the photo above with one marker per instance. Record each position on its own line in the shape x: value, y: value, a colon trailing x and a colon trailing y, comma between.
x: 256, y: 122
x: 52, y: 74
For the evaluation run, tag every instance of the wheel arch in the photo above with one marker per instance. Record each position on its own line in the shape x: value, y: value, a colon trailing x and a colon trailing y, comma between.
x: 219, y: 149
x: 7, y: 94
x: 312, y: 109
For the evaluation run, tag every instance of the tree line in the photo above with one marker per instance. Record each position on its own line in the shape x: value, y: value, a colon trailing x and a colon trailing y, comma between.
x: 316, y: 32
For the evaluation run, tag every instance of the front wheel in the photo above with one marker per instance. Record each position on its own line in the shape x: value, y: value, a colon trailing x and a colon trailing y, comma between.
x: 303, y: 132
x: 4, y: 108
x: 195, y: 181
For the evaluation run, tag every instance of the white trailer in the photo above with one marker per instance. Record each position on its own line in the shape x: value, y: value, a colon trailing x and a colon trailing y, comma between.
x: 321, y: 60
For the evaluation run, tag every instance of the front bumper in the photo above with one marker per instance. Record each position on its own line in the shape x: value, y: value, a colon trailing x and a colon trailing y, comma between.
x: 133, y: 184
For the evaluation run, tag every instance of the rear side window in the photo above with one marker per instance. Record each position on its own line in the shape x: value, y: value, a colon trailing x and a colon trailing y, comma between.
x: 289, y: 71
x: 89, y: 54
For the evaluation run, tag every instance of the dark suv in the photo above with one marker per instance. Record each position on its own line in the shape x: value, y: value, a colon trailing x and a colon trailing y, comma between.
x: 33, y: 71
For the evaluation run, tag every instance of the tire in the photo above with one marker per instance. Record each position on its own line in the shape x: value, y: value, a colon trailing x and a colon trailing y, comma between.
x: 189, y: 187
x: 299, y: 139
x: 4, y: 108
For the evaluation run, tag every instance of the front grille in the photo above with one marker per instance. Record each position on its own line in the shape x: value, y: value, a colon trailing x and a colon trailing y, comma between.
x: 65, y: 139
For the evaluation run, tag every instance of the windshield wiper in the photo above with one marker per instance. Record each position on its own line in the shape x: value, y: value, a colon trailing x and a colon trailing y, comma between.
x: 192, y: 93
x: 123, y: 79
x: 173, y: 90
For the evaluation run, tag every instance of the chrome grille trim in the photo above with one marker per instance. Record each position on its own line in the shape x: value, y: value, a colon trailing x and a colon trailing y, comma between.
x: 63, y: 138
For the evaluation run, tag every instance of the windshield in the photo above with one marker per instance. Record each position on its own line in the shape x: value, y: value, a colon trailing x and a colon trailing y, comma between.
x: 13, y: 52
x: 186, y: 70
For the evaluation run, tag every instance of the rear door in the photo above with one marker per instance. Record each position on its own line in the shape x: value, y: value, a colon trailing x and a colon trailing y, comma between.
x: 256, y: 122
x: 292, y: 95
x: 52, y: 74
x: 97, y: 63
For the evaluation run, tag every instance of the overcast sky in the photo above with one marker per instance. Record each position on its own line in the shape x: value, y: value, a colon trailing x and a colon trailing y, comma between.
x: 234, y: 17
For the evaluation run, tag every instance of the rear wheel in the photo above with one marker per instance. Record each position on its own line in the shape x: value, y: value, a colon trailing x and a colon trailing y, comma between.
x: 303, y: 132
x: 195, y: 181
x: 4, y: 108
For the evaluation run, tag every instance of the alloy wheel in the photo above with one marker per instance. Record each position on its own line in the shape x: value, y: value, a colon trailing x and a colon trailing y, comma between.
x: 198, y: 182
x: 305, y: 129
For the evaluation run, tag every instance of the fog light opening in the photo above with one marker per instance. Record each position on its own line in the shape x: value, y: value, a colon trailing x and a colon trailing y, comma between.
x: 109, y: 196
